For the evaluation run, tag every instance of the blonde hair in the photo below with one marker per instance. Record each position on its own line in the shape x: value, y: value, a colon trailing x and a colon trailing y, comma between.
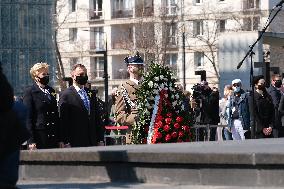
x: 36, y: 67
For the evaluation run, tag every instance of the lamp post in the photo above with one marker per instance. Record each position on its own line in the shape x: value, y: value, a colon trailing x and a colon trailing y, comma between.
x: 104, y: 52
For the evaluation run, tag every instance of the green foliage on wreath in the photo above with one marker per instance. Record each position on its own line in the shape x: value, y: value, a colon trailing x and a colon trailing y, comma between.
x: 156, y: 79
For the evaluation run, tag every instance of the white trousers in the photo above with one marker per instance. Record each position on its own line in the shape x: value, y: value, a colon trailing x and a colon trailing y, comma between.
x: 237, y: 130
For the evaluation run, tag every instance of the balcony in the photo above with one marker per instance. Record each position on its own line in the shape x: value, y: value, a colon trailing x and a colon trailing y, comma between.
x: 95, y: 14
x: 122, y: 14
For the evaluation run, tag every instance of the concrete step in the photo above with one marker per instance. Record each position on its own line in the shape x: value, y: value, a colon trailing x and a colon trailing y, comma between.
x: 251, y: 163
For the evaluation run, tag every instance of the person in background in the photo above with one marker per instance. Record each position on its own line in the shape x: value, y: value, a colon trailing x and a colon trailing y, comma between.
x: 237, y: 111
x: 43, y: 119
x: 275, y: 93
x: 13, y: 133
x: 261, y: 109
x: 78, y: 127
x: 228, y: 91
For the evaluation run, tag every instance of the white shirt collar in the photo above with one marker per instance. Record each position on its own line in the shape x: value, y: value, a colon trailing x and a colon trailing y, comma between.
x: 77, y: 88
x: 134, y: 80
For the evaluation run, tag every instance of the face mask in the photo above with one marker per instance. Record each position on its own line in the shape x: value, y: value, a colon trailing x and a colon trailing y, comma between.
x: 237, y: 89
x: 278, y: 83
x: 261, y: 87
x: 44, y: 80
x: 81, y: 80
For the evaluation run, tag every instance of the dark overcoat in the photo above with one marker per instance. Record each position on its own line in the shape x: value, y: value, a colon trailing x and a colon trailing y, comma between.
x: 43, y: 118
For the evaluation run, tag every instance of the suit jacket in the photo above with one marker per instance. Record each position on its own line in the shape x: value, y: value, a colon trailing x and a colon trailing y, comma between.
x: 125, y: 112
x: 43, y: 119
x: 276, y: 96
x: 77, y: 126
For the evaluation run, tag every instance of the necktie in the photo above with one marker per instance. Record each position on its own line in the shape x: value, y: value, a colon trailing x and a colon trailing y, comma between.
x: 85, y: 99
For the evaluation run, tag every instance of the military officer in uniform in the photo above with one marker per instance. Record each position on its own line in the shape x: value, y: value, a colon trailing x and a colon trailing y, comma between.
x: 41, y: 103
x: 126, y: 100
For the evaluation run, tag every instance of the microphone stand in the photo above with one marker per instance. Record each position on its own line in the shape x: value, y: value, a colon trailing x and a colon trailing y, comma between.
x: 251, y: 53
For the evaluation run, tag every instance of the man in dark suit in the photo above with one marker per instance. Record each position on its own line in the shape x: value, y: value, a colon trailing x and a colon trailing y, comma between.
x: 275, y: 93
x: 78, y: 127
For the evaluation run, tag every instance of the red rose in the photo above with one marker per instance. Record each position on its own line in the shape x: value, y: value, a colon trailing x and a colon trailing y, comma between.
x: 168, y: 120
x: 180, y: 134
x: 176, y: 126
x: 169, y: 114
x: 159, y: 118
x: 185, y: 128
x: 174, y: 134
x: 168, y: 137
x: 179, y: 119
x: 158, y: 135
x: 159, y: 124
x: 167, y: 128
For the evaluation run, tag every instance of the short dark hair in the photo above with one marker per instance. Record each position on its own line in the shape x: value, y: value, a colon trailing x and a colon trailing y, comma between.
x: 274, y: 76
x: 78, y: 66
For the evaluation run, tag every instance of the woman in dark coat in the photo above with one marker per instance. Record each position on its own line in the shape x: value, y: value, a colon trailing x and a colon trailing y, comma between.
x: 263, y: 109
x: 43, y: 118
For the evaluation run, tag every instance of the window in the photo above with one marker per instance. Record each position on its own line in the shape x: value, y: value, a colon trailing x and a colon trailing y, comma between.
x: 222, y: 25
x: 197, y: 27
x: 170, y: 7
x: 96, y: 12
x: 123, y: 4
x: 98, y: 67
x: 72, y: 5
x: 197, y: 2
x: 251, y: 4
x: 171, y: 62
x: 98, y: 38
x: 171, y: 34
x: 251, y: 23
x: 72, y: 34
x: 199, y: 59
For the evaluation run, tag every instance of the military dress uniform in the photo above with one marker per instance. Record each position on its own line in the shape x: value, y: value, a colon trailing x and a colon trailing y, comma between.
x: 43, y: 118
x: 126, y: 100
x: 126, y: 103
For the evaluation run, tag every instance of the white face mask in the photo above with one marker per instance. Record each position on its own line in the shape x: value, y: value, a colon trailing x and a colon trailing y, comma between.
x: 237, y: 89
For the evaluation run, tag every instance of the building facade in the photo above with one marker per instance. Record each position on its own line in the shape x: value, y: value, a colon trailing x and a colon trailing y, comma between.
x: 25, y: 39
x: 181, y: 34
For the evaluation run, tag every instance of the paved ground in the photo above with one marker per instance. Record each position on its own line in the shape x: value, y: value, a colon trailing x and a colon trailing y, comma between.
x: 43, y: 185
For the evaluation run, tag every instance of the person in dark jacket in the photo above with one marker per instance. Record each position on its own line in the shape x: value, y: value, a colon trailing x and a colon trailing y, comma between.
x: 12, y: 134
x: 43, y: 118
x: 78, y: 127
x: 263, y: 109
x: 275, y: 93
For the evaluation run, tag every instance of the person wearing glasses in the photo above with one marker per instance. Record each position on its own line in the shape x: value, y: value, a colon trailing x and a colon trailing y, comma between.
x: 237, y: 111
x: 275, y: 93
x: 43, y: 119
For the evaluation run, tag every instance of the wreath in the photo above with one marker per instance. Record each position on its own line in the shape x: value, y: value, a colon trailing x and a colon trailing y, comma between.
x: 162, y: 117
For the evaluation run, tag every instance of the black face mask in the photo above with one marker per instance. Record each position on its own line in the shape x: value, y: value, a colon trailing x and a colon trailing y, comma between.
x: 278, y: 83
x: 81, y: 80
x: 261, y: 87
x: 44, y: 80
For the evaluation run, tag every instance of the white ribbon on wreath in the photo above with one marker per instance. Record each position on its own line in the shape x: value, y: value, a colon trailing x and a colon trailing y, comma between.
x: 153, y: 118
